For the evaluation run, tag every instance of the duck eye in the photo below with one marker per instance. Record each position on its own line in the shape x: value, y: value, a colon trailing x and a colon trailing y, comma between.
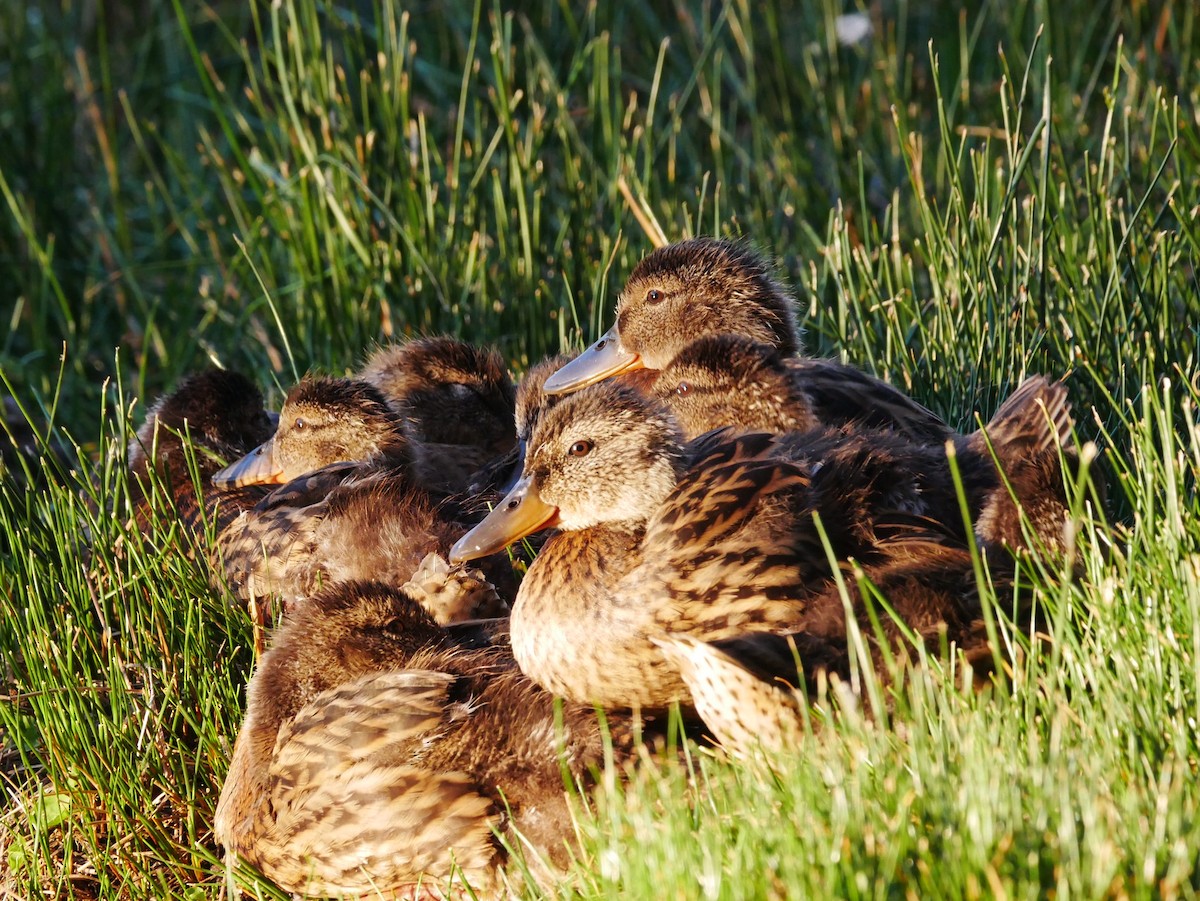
x: 654, y: 296
x: 298, y: 425
x: 580, y: 448
x: 682, y: 388
x: 395, y: 627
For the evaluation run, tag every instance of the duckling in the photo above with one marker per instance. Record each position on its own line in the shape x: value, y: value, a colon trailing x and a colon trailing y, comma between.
x: 707, y: 286
x: 728, y: 379
x: 731, y: 380
x: 216, y: 415
x: 711, y: 538
x: 722, y: 380
x: 351, y: 507
x: 379, y: 752
x: 701, y: 286
x: 456, y: 404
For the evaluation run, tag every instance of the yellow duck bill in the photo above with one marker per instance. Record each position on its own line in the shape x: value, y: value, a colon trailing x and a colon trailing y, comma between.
x: 521, y: 513
x: 259, y: 467
x: 605, y: 358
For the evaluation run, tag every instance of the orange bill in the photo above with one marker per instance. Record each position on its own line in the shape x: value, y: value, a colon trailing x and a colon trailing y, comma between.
x: 521, y: 513
x: 603, y: 359
x: 259, y: 467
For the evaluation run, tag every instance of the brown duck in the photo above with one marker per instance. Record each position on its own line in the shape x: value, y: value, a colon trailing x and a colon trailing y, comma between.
x: 379, y: 753
x: 711, y: 539
x: 455, y: 403
x: 350, y: 507
x: 210, y: 418
x: 708, y: 286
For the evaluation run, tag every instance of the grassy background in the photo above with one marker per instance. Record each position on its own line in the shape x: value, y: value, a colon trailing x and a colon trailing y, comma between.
x: 966, y: 197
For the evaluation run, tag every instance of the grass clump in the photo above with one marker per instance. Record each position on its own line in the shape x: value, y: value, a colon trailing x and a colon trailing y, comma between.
x: 961, y: 199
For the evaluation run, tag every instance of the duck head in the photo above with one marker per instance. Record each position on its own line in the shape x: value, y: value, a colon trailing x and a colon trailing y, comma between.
x: 323, y: 421
x: 608, y: 455
x: 344, y: 631
x: 221, y: 411
x: 697, y: 287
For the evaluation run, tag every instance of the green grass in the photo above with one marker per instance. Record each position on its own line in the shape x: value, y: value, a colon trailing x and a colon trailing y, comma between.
x: 964, y: 199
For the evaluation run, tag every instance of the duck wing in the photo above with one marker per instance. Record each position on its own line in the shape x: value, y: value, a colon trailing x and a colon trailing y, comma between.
x: 312, y: 487
x: 734, y: 544
x: 1023, y: 500
x: 354, y: 809
x: 843, y: 395
x: 1034, y: 419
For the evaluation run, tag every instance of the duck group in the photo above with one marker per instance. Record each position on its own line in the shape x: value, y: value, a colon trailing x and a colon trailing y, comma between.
x: 702, y: 515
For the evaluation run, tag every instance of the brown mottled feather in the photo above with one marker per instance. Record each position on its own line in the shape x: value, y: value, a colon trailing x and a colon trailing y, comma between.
x: 1030, y: 437
x: 379, y: 751
x: 748, y: 688
x: 456, y: 402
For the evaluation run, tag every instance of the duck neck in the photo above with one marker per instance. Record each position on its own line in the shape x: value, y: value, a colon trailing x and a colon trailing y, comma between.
x: 573, y: 630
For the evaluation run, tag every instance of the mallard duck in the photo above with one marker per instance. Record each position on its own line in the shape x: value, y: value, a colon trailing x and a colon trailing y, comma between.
x: 711, y: 538
x: 379, y: 752
x: 729, y: 380
x: 211, y: 417
x: 707, y: 286
x: 325, y: 421
x: 456, y: 405
x: 350, y: 507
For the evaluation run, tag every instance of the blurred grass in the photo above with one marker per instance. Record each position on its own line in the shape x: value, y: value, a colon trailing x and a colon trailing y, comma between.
x: 967, y: 196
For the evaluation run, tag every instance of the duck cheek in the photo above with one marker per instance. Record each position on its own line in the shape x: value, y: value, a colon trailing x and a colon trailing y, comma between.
x: 659, y: 353
x: 597, y: 507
